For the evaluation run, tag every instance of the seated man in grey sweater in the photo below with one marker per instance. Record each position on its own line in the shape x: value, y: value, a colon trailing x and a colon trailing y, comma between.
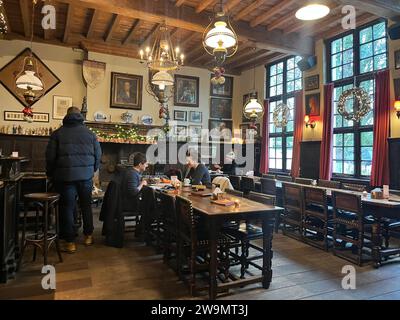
x: 198, y: 172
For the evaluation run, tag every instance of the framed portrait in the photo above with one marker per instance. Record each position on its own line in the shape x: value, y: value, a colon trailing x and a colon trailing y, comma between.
x: 196, y: 117
x: 222, y: 90
x: 186, y: 91
x: 220, y: 129
x: 313, y: 104
x: 180, y: 131
x: 126, y: 91
x: 246, y: 130
x: 19, y: 116
x: 194, y: 132
x: 221, y: 108
x: 246, y: 97
x: 60, y: 106
x: 397, y: 59
x: 180, y: 115
x: 311, y: 83
x: 11, y: 70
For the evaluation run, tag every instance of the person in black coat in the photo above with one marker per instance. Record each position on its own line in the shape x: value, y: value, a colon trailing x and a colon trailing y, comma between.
x: 72, y: 157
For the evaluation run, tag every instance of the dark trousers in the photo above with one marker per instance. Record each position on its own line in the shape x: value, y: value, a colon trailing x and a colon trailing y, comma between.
x: 69, y: 191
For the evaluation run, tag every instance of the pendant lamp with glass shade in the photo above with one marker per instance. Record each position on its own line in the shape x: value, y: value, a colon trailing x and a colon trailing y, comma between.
x: 28, y: 82
x: 312, y: 11
x: 253, y: 110
x: 219, y: 38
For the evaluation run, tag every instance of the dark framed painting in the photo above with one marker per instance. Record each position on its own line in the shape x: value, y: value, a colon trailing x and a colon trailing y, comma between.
x: 186, y: 91
x: 180, y: 115
x: 313, y: 104
x: 221, y: 108
x: 397, y: 59
x: 19, y: 116
x: 246, y: 98
x: 220, y: 129
x: 311, y: 83
x: 180, y: 131
x: 196, y: 117
x: 245, y: 127
x: 126, y: 91
x: 194, y: 132
x: 222, y: 90
x: 12, y: 69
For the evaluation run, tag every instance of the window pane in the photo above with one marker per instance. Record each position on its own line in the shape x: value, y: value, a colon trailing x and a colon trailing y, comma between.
x: 366, y: 167
x: 272, y: 92
x: 338, y: 140
x: 290, y: 86
x: 366, y: 35
x: 348, y: 167
x: 290, y: 75
x: 367, y: 138
x: 349, y: 153
x: 348, y: 42
x: 366, y: 153
x: 278, y: 164
x: 337, y: 60
x: 272, y: 70
x: 272, y: 164
x: 298, y: 85
x: 338, y: 167
x: 366, y: 65
x: 338, y: 153
x: 380, y: 62
x: 288, y: 164
x: 279, y: 90
x: 366, y: 51
x: 379, y: 30
x: 336, y: 46
x: 348, y: 56
x: 337, y: 73
x: 349, y: 139
x: 347, y: 70
x: 380, y: 46
x: 280, y: 67
x: 290, y: 64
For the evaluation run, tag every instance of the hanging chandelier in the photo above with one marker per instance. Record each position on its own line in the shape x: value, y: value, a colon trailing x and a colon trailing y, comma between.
x: 28, y: 82
x: 3, y: 20
x: 219, y: 38
x: 253, y: 109
x: 162, y: 56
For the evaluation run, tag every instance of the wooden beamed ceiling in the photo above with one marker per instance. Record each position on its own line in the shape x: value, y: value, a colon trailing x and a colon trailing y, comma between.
x: 267, y: 29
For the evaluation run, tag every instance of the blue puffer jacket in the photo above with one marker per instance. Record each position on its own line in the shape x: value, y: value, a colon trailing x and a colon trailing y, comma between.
x: 73, y: 152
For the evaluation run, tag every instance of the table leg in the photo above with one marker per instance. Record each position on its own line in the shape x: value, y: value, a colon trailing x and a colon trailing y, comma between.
x: 213, y: 259
x: 267, y: 226
x: 376, y: 242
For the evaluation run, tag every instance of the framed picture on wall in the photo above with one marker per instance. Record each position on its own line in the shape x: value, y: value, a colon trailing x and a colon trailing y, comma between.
x: 221, y: 108
x: 60, y: 106
x: 19, y: 116
x: 186, y: 91
x: 311, y: 83
x: 194, y: 132
x: 126, y: 91
x: 220, y: 129
x: 313, y: 104
x: 222, y: 90
x: 180, y: 115
x: 397, y: 59
x: 180, y: 131
x: 196, y: 117
x: 246, y: 130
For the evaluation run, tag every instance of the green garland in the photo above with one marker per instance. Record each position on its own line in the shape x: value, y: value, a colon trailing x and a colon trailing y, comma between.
x: 127, y: 135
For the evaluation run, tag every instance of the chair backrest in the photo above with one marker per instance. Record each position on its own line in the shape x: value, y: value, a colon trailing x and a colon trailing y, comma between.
x: 268, y: 176
x: 186, y: 219
x: 261, y: 198
x: 268, y: 186
x: 329, y: 184
x: 303, y: 181
x: 315, y: 200
x: 292, y: 196
x: 354, y: 187
x: 247, y: 184
x: 235, y: 181
x: 236, y: 193
x: 347, y: 202
x: 284, y: 178
x: 166, y: 205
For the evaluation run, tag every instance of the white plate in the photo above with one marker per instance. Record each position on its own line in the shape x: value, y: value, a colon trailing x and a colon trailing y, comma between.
x: 100, y: 116
x: 147, y: 120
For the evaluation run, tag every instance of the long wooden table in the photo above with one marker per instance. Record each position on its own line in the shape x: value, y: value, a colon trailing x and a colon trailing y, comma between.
x: 216, y: 215
x: 378, y: 208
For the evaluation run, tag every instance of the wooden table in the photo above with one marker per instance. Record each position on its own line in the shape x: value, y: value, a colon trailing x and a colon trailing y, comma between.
x: 378, y: 208
x: 216, y: 215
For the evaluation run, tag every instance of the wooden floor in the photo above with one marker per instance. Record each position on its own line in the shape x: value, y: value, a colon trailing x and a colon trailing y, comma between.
x: 137, y: 272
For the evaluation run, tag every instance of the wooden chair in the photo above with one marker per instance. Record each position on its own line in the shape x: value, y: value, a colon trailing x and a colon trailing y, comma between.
x: 317, y: 218
x: 354, y: 187
x: 268, y: 176
x: 292, y: 219
x: 247, y: 184
x: 303, y: 181
x: 329, y: 184
x: 235, y: 182
x: 193, y: 245
x: 348, y: 227
x: 284, y: 178
x: 268, y: 186
x: 236, y: 193
x: 245, y: 235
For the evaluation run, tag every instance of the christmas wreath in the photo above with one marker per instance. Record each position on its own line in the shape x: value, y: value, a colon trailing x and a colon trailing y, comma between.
x: 281, y: 115
x: 364, y: 104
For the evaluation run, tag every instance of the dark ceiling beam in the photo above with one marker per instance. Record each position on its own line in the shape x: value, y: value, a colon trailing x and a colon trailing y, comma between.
x: 68, y: 23
x: 93, y: 22
x: 150, y: 34
x: 231, y: 4
x: 178, y: 3
x: 278, y: 7
x: 254, y: 6
x: 128, y: 39
x: 184, y: 42
x: 113, y: 26
x: 186, y: 18
x: 204, y: 4
x: 26, y: 16
x: 260, y: 61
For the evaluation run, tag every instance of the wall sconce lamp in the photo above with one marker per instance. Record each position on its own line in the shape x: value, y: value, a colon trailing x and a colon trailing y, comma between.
x: 309, y: 122
x: 397, y: 108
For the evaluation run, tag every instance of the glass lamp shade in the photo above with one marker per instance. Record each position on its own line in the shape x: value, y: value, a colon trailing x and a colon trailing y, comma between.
x: 313, y: 11
x: 220, y: 36
x: 397, y: 105
x: 253, y: 109
x: 162, y: 79
x: 29, y: 80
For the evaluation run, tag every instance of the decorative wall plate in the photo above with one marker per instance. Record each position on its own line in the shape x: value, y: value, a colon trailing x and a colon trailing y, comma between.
x: 147, y: 120
x: 100, y: 116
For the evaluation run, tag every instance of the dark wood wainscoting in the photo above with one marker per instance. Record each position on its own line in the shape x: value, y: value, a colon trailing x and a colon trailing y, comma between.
x: 394, y: 163
x: 309, y: 159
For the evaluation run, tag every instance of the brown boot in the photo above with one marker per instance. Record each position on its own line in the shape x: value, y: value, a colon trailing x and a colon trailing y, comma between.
x: 69, y: 247
x: 88, y: 240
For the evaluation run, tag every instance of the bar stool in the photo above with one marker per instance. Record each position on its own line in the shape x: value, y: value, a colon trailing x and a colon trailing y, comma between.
x: 48, y: 202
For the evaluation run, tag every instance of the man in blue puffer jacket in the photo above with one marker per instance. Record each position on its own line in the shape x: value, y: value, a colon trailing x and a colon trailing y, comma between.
x: 72, y: 157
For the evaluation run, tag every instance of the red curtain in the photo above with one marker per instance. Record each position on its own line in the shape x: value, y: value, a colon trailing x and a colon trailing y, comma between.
x: 380, y: 158
x: 325, y: 161
x: 265, y: 138
x: 298, y: 133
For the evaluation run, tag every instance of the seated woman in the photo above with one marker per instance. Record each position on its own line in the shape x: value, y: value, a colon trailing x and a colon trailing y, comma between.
x: 229, y: 165
x: 198, y: 172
